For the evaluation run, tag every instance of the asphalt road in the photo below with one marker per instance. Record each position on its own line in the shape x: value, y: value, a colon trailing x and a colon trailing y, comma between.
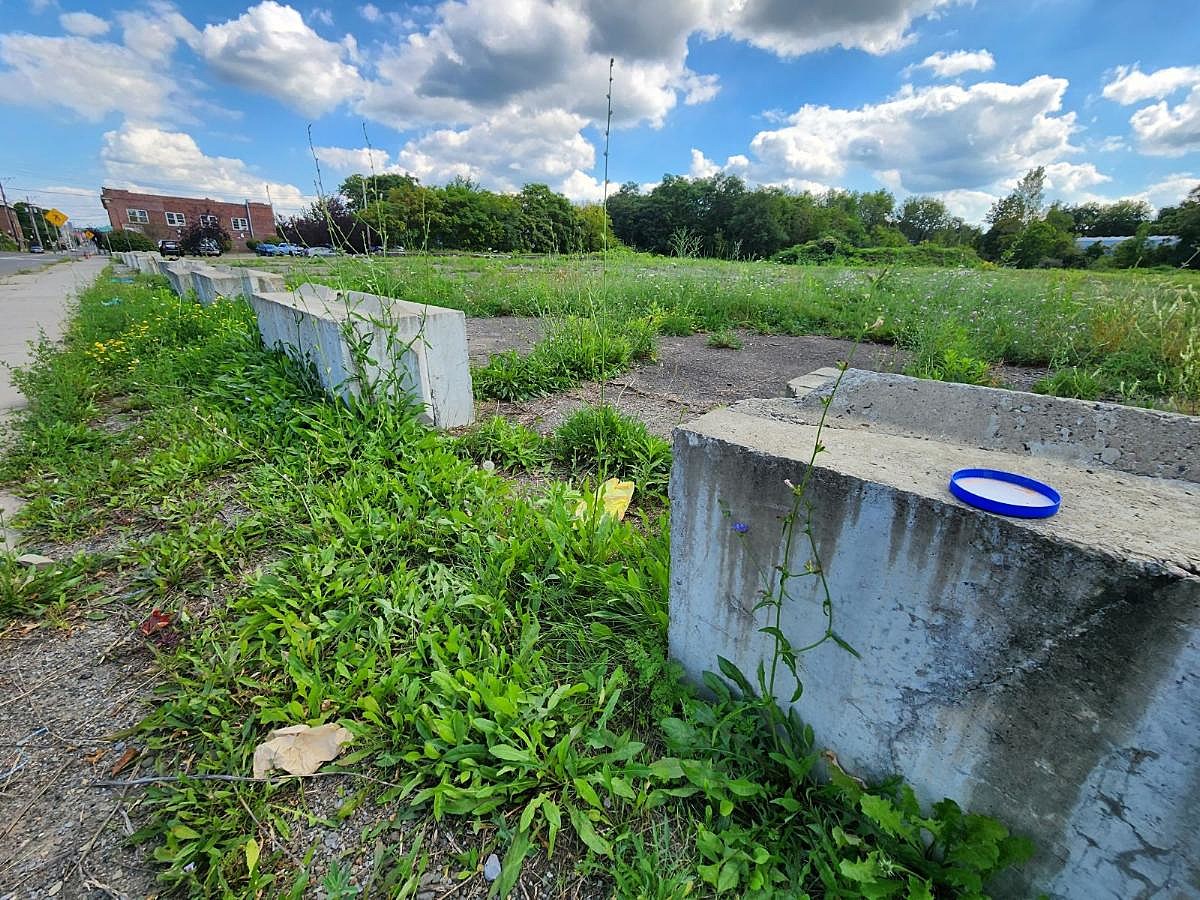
x: 11, y: 263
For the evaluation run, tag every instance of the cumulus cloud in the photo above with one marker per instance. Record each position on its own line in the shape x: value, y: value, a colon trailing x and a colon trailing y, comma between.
x: 152, y: 159
x: 790, y: 29
x: 83, y: 24
x: 322, y: 14
x: 90, y: 78
x: 951, y: 65
x: 353, y: 159
x: 938, y: 138
x: 702, y: 166
x: 1161, y: 129
x: 1130, y: 84
x: 370, y: 12
x: 504, y: 152
x: 1172, y: 190
x: 270, y: 49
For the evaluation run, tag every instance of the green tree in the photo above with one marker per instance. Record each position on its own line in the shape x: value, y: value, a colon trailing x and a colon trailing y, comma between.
x: 921, y: 218
x: 206, y: 227
x: 1040, y: 243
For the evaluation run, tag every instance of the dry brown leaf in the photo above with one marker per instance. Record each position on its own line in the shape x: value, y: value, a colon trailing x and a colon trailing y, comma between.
x: 300, y: 749
x: 123, y: 763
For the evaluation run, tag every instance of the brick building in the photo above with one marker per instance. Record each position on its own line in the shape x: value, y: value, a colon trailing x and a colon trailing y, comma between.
x: 159, y: 217
x: 10, y: 224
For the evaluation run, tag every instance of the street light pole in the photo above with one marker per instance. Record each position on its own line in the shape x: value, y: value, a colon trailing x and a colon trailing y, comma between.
x: 32, y: 210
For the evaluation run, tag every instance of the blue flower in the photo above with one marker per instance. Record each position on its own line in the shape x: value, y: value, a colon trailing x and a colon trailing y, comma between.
x: 741, y: 527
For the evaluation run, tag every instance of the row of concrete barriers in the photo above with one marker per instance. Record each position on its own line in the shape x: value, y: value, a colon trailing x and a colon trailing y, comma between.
x: 359, y: 344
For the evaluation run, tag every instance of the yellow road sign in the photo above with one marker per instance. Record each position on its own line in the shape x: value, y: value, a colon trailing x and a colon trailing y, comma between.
x: 55, y: 217
x: 90, y: 234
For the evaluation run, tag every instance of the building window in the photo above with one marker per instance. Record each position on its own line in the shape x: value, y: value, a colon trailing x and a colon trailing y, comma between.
x: 240, y: 224
x: 176, y: 220
x: 208, y: 220
x: 138, y: 215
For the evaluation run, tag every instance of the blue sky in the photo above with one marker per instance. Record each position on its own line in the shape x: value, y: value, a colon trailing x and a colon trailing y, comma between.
x: 955, y: 99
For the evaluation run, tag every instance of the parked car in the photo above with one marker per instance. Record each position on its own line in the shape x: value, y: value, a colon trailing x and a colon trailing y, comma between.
x: 267, y: 249
x: 284, y: 250
x: 36, y: 248
x: 170, y: 248
x: 208, y: 247
x: 320, y: 251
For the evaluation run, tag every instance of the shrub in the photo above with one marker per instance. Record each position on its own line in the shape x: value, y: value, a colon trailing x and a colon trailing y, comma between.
x: 119, y: 241
x: 599, y: 440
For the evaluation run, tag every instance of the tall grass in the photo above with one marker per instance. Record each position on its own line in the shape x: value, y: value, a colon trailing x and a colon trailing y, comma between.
x: 1133, y: 330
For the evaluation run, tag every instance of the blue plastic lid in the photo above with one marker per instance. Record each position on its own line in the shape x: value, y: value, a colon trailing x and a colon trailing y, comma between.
x: 1006, y: 493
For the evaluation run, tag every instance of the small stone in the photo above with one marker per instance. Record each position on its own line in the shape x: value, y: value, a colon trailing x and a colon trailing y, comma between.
x: 491, y: 867
x: 35, y: 560
x: 1109, y: 455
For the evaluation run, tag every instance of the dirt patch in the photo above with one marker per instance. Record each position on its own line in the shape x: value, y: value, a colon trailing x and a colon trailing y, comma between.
x: 66, y: 689
x: 686, y: 380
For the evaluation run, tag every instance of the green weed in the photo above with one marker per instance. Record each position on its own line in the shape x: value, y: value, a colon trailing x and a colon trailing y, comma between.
x: 496, y: 657
x: 600, y: 441
x: 725, y: 338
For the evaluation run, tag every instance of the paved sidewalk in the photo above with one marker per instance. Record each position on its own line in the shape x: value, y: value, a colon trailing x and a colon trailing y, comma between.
x: 33, y: 301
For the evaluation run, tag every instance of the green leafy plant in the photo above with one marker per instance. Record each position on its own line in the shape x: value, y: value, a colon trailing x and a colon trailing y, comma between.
x: 725, y: 338
x: 601, y: 441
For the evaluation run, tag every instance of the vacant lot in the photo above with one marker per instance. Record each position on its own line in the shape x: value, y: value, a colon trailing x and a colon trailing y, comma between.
x: 1128, y: 336
x: 236, y: 553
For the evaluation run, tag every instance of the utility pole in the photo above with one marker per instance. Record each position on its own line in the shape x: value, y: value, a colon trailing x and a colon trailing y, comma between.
x: 16, y: 229
x: 32, y: 210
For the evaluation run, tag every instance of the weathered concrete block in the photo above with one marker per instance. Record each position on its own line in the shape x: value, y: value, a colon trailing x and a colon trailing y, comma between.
x: 362, y: 343
x: 179, y: 274
x: 217, y: 281
x: 145, y: 262
x: 255, y: 281
x: 1043, y: 671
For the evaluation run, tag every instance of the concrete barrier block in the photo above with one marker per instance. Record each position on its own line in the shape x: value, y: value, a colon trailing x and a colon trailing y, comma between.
x: 256, y: 281
x: 1044, y: 671
x: 362, y: 343
x: 216, y: 281
x: 179, y: 274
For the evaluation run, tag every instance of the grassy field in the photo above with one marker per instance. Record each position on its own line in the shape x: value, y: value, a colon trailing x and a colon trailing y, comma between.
x: 1128, y: 336
x: 497, y: 649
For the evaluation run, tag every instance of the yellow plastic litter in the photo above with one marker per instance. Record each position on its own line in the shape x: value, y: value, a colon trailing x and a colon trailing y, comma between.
x: 615, y: 496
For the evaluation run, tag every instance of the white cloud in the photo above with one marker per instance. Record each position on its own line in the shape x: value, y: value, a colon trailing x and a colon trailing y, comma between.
x: 951, y: 65
x: 323, y: 15
x: 1070, y: 181
x: 970, y: 206
x: 90, y: 78
x: 702, y: 166
x: 353, y: 159
x: 1164, y: 130
x: 1130, y: 84
x: 155, y: 31
x: 504, y: 152
x: 1172, y: 190
x: 937, y: 138
x: 1160, y: 129
x: 270, y: 49
x: 83, y: 24
x: 579, y: 187
x: 151, y: 159
x: 788, y: 28
x: 370, y: 12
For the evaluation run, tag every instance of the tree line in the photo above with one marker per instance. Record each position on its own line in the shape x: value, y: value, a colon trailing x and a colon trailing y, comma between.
x: 720, y: 216
x: 398, y: 211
